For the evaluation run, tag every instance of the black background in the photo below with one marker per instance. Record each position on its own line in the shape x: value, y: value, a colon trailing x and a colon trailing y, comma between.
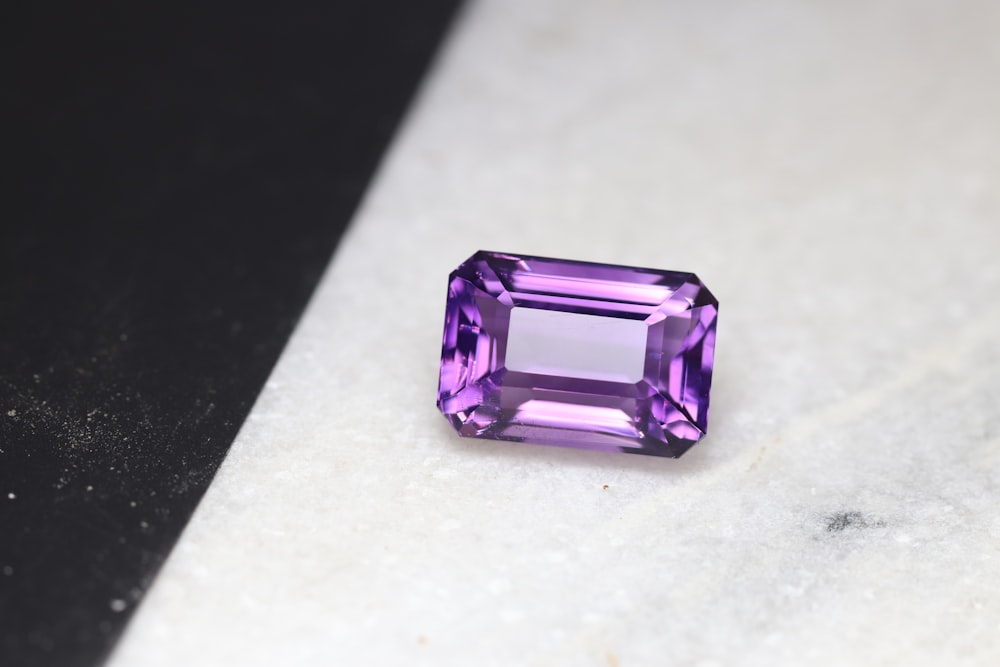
x: 175, y: 183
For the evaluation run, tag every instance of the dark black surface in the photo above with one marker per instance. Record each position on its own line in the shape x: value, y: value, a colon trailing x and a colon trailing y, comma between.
x: 175, y: 184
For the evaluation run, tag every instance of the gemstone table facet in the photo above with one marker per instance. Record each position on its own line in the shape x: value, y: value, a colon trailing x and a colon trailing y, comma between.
x: 577, y: 354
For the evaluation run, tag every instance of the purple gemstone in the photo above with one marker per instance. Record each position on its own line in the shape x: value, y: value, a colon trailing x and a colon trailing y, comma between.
x: 576, y: 354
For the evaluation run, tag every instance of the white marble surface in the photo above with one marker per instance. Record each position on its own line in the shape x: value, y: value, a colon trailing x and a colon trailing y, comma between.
x: 832, y: 171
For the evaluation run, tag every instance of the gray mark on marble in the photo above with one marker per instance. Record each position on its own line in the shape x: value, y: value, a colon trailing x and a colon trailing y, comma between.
x: 841, y: 521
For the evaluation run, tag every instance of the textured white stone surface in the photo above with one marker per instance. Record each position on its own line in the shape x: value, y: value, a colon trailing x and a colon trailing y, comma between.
x: 832, y: 171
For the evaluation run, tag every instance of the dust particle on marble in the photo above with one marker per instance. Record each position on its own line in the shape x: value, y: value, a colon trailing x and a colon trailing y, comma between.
x: 12, y: 412
x: 11, y: 496
x: 118, y: 605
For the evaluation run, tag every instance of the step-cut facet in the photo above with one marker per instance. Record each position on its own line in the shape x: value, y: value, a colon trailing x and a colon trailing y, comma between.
x: 577, y: 354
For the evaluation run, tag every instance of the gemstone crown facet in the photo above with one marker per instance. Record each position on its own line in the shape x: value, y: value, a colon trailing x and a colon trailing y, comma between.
x: 577, y: 354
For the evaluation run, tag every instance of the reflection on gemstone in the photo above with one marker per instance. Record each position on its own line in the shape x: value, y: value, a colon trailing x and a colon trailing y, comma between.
x: 577, y: 354
x: 552, y: 342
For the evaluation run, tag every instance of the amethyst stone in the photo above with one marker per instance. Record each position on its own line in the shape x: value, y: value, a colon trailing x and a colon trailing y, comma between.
x: 576, y: 354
